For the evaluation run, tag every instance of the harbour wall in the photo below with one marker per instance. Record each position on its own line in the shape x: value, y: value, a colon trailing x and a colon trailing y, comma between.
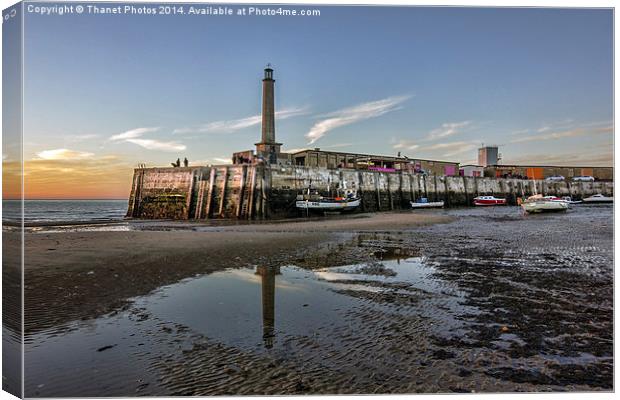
x: 263, y: 192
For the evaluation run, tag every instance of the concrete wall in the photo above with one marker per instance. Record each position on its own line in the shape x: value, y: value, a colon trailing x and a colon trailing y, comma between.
x: 228, y: 191
x: 251, y: 191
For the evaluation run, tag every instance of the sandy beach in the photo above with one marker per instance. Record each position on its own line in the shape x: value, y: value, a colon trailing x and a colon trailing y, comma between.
x: 422, y: 302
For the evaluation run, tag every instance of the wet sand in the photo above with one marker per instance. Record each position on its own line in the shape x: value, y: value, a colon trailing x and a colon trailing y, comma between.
x: 433, y: 301
x: 83, y: 274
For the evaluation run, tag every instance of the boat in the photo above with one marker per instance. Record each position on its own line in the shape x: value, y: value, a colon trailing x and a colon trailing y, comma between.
x: 329, y: 204
x: 598, y: 198
x: 538, y: 204
x: 489, y: 201
x: 570, y: 200
x: 566, y: 199
x: 424, y: 203
x: 345, y: 200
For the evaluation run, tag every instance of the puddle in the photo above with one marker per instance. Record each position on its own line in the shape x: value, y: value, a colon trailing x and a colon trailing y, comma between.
x: 259, y: 310
x: 249, y: 307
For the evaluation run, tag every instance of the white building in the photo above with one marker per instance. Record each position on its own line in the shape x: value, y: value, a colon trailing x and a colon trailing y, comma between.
x: 471, y: 170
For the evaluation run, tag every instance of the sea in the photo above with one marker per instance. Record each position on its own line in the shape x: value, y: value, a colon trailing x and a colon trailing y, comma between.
x: 61, y: 211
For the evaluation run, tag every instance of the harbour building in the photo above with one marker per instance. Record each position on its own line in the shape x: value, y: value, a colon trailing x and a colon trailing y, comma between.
x: 545, y: 171
x: 489, y: 160
x: 488, y: 155
x: 331, y: 159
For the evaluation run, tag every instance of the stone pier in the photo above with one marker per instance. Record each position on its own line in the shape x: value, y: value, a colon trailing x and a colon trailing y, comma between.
x: 263, y: 192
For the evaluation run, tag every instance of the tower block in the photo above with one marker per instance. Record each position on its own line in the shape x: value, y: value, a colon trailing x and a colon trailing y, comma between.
x: 268, y: 148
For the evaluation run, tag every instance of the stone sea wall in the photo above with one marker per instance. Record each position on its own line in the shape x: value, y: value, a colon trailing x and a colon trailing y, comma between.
x: 261, y: 192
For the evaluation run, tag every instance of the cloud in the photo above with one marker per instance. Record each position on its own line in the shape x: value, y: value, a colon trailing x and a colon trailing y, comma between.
x: 134, y: 136
x: 447, y: 129
x: 354, y: 114
x: 461, y: 149
x: 295, y: 150
x: 63, y: 154
x: 223, y: 160
x: 597, y: 123
x: 444, y: 149
x: 450, y: 149
x: 405, y: 145
x: 443, y: 146
x: 234, y: 125
x: 81, y: 138
x: 133, y: 133
x: 520, y: 132
x: 339, y: 145
x: 560, y: 135
x: 151, y: 144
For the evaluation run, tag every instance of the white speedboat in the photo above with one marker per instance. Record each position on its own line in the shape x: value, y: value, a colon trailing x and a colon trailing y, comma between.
x: 566, y: 199
x: 570, y: 200
x: 489, y: 201
x: 598, y: 198
x: 424, y: 203
x: 538, y: 204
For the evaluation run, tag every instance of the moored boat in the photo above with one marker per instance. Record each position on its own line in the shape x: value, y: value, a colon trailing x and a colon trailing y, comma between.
x: 598, y: 198
x: 311, y: 200
x: 424, y: 203
x: 329, y: 204
x: 489, y: 201
x: 567, y: 199
x: 538, y: 204
x: 570, y: 200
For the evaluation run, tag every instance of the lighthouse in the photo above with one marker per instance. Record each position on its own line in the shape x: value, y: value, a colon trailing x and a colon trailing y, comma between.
x: 268, y: 148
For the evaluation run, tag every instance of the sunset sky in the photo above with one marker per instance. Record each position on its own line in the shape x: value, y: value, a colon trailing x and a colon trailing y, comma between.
x: 103, y: 93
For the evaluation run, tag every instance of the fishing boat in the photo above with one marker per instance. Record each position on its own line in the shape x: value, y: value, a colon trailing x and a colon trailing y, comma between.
x: 538, y: 204
x: 598, y: 198
x: 329, y: 204
x: 424, y: 203
x: 489, y: 201
x: 345, y: 200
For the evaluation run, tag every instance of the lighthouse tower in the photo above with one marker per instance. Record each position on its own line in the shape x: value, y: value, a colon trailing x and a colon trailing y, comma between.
x: 268, y: 148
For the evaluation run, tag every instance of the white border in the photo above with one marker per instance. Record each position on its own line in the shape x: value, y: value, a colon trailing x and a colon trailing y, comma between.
x: 478, y: 3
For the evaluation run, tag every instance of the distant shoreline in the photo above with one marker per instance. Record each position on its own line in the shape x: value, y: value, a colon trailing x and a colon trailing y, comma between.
x: 35, y: 224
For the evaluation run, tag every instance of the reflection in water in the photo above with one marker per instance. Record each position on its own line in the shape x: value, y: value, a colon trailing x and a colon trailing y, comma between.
x: 396, y: 253
x: 268, y: 287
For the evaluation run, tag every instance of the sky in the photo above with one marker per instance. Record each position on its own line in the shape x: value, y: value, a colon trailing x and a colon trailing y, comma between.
x: 104, y: 93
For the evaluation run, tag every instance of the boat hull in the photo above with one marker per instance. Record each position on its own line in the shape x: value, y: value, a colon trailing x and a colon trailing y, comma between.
x: 544, y: 206
x: 489, y: 202
x: 432, y: 204
x: 328, y: 206
x: 598, y: 201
